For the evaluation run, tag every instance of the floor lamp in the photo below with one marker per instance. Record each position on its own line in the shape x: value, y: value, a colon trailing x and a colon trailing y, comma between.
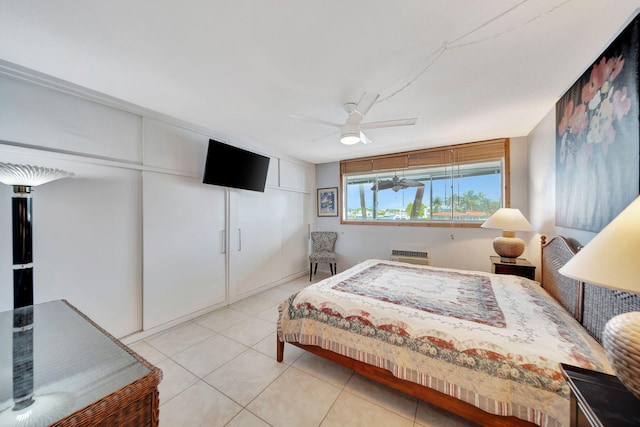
x: 22, y: 178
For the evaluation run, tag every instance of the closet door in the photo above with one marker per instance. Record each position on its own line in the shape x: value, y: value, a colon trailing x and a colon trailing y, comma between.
x: 255, y: 240
x: 295, y: 233
x: 184, y: 247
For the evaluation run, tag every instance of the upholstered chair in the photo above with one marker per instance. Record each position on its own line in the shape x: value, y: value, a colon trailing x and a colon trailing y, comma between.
x: 324, y: 243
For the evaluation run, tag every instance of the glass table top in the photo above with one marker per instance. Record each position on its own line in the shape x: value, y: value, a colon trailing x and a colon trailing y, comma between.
x: 53, y: 362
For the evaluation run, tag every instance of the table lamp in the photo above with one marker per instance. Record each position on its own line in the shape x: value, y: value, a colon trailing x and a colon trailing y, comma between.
x: 509, y: 220
x: 612, y: 260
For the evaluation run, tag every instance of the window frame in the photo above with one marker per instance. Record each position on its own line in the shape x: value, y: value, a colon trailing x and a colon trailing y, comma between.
x: 452, y: 155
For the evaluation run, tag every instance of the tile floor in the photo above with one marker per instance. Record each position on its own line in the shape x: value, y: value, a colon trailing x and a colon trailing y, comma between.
x: 220, y: 370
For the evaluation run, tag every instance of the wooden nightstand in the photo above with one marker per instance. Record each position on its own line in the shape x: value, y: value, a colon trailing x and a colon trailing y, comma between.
x: 521, y: 267
x: 599, y: 399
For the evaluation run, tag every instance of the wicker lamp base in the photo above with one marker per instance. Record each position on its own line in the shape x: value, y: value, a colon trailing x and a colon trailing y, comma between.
x: 621, y: 341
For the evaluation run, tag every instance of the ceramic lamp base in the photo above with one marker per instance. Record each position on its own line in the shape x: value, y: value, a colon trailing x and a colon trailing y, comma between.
x: 621, y: 341
x: 508, y: 247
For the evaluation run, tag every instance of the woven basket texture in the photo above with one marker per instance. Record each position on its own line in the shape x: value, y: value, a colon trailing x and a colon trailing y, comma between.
x: 621, y: 341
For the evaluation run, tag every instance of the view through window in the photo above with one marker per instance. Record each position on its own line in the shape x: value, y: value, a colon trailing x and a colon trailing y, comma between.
x: 466, y: 193
x: 462, y: 184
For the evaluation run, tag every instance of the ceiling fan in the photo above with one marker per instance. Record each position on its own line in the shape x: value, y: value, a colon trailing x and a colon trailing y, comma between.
x: 351, y: 130
x: 396, y: 184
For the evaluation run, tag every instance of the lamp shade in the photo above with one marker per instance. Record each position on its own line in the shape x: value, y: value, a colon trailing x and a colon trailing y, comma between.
x: 30, y: 176
x: 612, y: 258
x: 508, y: 219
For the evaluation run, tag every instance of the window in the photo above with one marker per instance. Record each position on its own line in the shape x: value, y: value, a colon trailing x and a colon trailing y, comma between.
x: 463, y: 184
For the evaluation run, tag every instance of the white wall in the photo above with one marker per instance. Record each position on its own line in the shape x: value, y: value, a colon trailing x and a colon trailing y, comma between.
x: 135, y: 209
x: 464, y: 248
x: 87, y: 235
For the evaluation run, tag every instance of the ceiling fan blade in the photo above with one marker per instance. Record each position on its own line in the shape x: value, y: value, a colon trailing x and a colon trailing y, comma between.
x: 364, y: 138
x: 383, y: 184
x: 313, y: 120
x: 388, y: 123
x: 411, y: 183
x: 362, y: 108
x: 325, y: 136
x: 366, y: 102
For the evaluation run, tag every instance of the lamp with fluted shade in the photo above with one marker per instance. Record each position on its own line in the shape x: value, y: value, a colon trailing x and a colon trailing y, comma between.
x: 509, y: 220
x: 612, y: 260
x: 28, y: 409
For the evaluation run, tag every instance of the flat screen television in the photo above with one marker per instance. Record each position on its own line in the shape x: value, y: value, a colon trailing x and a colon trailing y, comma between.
x: 234, y: 167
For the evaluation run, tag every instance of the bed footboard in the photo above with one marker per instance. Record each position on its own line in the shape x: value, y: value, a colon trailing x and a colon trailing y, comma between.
x: 429, y: 395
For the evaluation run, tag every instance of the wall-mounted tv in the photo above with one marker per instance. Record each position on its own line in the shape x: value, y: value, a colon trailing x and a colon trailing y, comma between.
x: 234, y: 167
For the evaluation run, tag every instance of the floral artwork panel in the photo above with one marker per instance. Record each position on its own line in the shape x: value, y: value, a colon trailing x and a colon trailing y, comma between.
x: 598, y: 140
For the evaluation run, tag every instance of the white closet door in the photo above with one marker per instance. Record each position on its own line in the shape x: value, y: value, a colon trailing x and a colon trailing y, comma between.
x: 295, y: 233
x: 183, y: 238
x: 255, y: 240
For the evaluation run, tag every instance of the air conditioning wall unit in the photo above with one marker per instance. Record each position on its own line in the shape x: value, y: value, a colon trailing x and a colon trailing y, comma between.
x: 411, y: 257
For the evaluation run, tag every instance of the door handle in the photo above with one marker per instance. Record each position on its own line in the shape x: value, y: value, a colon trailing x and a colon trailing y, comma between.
x: 224, y: 241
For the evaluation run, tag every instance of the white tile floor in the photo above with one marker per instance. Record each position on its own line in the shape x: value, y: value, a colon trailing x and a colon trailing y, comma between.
x: 220, y: 370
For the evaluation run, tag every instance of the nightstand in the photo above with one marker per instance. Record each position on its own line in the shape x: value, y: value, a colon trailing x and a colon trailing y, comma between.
x: 599, y: 399
x: 521, y: 267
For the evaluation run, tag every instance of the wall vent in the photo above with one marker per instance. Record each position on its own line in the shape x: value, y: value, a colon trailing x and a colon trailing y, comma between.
x: 411, y: 257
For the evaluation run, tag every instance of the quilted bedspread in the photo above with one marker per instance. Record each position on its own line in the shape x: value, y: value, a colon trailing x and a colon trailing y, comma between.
x: 495, y: 341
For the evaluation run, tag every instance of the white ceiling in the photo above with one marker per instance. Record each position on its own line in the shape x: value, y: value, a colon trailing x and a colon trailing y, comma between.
x: 468, y: 70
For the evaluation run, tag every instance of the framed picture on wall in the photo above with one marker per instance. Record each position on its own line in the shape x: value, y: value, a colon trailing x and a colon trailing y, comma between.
x: 598, y: 138
x: 328, y: 201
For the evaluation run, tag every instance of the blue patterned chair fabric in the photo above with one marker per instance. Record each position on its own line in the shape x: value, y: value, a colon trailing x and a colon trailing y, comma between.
x: 323, y: 250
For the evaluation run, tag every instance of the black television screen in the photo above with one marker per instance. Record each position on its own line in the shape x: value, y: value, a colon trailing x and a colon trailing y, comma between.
x: 234, y: 167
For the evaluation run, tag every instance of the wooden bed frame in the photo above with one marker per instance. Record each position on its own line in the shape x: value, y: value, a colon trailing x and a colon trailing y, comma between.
x: 591, y: 305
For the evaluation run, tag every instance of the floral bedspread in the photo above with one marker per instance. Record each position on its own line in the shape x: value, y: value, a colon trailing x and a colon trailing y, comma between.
x: 495, y: 341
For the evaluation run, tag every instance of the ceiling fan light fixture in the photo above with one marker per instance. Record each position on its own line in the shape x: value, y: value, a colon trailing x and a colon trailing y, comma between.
x: 349, y: 138
x: 350, y: 134
x: 350, y: 131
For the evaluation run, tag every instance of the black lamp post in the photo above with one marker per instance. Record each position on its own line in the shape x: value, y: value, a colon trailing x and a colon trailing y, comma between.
x: 22, y: 246
x: 22, y: 297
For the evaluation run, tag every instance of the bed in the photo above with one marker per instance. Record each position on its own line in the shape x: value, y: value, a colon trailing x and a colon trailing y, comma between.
x: 484, y: 346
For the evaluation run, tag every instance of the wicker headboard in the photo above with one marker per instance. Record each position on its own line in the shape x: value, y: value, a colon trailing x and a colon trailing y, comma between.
x: 556, y: 253
x: 590, y: 305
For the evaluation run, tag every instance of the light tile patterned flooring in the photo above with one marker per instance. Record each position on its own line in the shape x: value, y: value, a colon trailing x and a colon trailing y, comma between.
x: 220, y: 370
